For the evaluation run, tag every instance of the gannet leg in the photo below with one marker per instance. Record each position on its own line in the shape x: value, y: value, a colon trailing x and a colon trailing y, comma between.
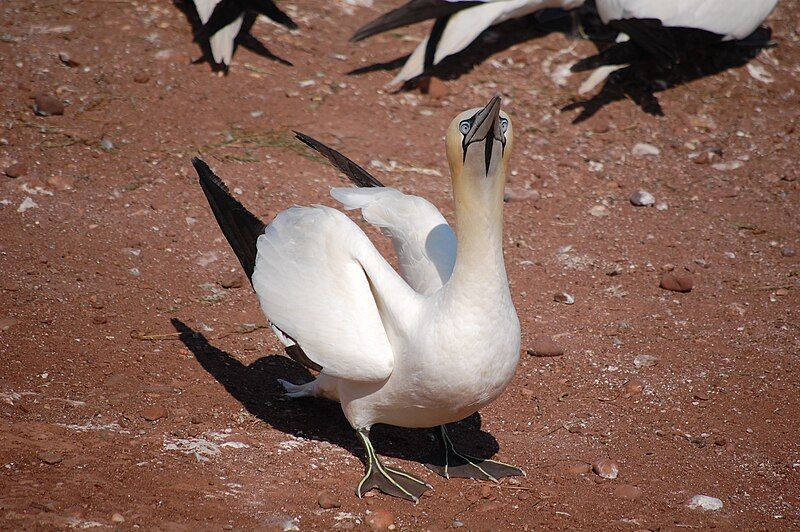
x: 389, y: 480
x: 458, y: 465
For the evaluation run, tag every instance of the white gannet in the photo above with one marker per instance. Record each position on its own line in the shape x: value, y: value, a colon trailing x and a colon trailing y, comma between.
x: 651, y: 24
x: 458, y: 23
x: 423, y: 349
x: 222, y: 21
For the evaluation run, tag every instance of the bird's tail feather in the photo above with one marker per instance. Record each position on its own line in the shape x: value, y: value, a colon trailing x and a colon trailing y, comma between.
x: 410, y: 13
x: 240, y: 227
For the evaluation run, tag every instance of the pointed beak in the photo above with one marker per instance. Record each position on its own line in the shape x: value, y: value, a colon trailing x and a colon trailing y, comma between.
x: 486, y: 124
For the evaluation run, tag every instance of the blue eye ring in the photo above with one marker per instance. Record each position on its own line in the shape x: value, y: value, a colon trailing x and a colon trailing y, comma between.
x: 503, y: 125
x: 464, y: 126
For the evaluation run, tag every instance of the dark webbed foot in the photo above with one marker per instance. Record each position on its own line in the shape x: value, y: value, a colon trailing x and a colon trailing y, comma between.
x: 458, y: 465
x: 387, y: 479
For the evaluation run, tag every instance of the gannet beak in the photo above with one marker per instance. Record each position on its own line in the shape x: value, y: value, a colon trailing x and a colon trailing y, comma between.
x: 486, y: 126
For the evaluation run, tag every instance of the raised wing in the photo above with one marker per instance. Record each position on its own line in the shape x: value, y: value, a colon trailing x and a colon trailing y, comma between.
x: 320, y: 282
x: 411, y: 13
x: 424, y: 242
x: 733, y: 19
x: 465, y: 26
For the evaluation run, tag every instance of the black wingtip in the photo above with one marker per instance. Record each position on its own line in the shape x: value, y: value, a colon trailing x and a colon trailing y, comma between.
x: 240, y: 227
x: 354, y: 172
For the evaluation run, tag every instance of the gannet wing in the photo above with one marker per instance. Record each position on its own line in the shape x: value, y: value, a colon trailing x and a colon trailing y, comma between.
x: 311, y: 277
x: 221, y: 25
x: 465, y: 26
x: 424, y: 242
x: 320, y: 281
x: 733, y: 19
x: 411, y: 13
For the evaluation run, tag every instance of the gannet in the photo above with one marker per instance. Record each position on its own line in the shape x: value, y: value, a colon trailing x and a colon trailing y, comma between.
x: 458, y: 23
x: 423, y: 348
x: 222, y: 21
x: 652, y: 24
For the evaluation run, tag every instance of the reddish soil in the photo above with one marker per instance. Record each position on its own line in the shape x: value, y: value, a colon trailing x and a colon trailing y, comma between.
x: 104, y: 411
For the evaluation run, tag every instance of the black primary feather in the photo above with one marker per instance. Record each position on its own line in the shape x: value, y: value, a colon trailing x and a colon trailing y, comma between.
x: 650, y: 35
x: 240, y: 227
x: 410, y: 13
x: 227, y: 11
x: 354, y: 172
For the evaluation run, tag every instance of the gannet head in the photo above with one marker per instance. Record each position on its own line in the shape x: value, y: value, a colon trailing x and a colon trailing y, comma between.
x: 478, y: 145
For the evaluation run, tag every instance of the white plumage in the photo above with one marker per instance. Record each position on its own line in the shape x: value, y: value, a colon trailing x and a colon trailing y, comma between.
x: 222, y: 42
x: 732, y: 19
x: 423, y: 349
x: 464, y: 26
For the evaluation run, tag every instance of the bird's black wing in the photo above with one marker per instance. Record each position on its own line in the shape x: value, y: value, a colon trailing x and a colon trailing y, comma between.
x: 240, y: 227
x: 269, y: 9
x: 357, y: 175
x: 410, y: 13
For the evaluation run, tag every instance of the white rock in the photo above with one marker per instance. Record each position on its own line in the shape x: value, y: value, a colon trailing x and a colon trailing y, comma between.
x: 642, y: 198
x: 644, y: 361
x: 704, y: 502
x: 599, y: 211
x: 26, y: 204
x: 640, y: 149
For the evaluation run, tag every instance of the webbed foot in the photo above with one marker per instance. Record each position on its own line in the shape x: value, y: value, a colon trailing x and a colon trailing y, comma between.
x: 388, y: 480
x: 459, y: 465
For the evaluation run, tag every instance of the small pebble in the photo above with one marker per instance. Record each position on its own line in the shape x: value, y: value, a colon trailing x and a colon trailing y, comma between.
x: 606, y: 468
x: 520, y: 194
x: 786, y: 251
x: 704, y: 502
x: 47, y: 105
x: 67, y: 60
x: 106, y: 144
x: 579, y: 469
x: 18, y: 170
x: 153, y: 413
x: 49, y: 457
x: 662, y: 206
x: 632, y: 387
x: 644, y: 361
x: 677, y: 281
x: 781, y: 292
x: 327, y: 501
x: 380, y: 519
x: 141, y: 77
x: 642, y: 198
x: 599, y: 211
x: 641, y: 149
x: 626, y: 491
x: 117, y: 518
x: 233, y: 280
x: 563, y: 297
x: 545, y: 346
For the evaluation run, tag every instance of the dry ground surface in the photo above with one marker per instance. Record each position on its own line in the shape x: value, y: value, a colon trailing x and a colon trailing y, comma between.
x: 108, y: 419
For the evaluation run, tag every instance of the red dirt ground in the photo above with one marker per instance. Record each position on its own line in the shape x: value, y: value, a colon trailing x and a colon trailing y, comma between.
x: 121, y: 241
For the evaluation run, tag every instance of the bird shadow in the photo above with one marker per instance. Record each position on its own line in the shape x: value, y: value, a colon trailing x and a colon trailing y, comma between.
x: 493, y: 40
x: 643, y: 78
x: 244, y: 38
x: 255, y: 386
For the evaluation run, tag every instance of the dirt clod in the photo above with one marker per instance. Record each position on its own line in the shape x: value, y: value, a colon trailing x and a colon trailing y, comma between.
x: 16, y: 170
x: 327, y: 500
x: 545, y: 346
x: 154, y: 413
x: 677, y: 281
x: 47, y: 105
x: 49, y: 457
x: 380, y: 519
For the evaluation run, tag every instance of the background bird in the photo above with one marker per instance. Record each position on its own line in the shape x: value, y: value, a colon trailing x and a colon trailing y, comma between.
x: 666, y: 28
x: 223, y: 21
x: 457, y: 24
x: 423, y: 349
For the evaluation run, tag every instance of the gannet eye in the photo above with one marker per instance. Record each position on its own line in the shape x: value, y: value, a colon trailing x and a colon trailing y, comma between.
x: 504, y: 125
x: 464, y: 127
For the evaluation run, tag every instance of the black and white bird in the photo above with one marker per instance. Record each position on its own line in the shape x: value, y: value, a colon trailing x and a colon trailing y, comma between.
x: 423, y: 348
x: 665, y: 28
x: 457, y: 24
x: 223, y: 21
